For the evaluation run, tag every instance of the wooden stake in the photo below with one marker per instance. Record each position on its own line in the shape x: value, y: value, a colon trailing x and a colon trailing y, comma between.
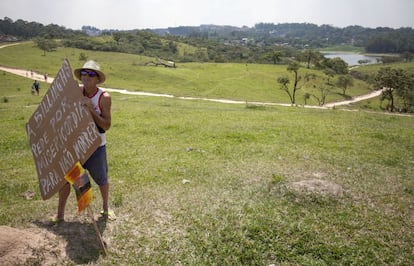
x: 97, y: 230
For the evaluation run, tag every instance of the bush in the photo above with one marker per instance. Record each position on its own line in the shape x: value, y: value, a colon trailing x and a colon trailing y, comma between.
x: 83, y: 57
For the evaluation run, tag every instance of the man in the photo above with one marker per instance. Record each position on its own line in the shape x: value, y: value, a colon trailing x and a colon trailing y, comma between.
x: 36, y: 87
x: 98, y: 102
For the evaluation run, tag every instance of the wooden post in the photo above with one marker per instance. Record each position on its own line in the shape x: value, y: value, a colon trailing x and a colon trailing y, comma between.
x: 90, y: 213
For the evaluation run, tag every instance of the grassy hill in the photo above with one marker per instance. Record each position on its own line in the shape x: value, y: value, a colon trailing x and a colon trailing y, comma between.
x: 246, y: 82
x: 202, y: 183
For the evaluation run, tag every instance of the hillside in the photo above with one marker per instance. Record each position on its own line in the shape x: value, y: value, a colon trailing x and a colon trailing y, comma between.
x: 242, y: 82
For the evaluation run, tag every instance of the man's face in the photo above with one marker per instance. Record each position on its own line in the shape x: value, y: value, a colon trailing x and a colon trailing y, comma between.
x: 89, y: 78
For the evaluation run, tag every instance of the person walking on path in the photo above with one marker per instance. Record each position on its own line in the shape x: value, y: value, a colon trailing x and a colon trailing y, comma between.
x: 98, y: 102
x: 36, y: 87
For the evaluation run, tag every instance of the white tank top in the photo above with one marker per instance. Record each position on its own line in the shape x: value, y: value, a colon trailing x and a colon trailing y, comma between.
x: 96, y: 102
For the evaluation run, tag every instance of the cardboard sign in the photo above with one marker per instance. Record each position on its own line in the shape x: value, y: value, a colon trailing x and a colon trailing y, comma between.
x: 61, y: 132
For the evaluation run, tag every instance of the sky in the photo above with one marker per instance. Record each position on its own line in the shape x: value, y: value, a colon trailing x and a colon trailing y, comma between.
x: 144, y: 14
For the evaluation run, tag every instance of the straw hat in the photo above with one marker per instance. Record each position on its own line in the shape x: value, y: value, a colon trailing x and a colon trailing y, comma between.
x: 91, y: 65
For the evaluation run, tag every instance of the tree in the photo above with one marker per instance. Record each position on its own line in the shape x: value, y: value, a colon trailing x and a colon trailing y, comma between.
x: 324, y: 93
x: 173, y: 47
x: 329, y: 74
x: 407, y: 56
x: 284, y: 81
x: 391, y: 80
x: 344, y: 81
x: 406, y: 92
x: 337, y: 65
x: 381, y: 44
x: 117, y: 37
x: 310, y: 56
x: 306, y: 97
x: 276, y: 56
x: 47, y: 45
x: 83, y: 57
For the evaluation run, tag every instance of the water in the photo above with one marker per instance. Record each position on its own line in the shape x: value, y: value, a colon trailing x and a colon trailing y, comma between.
x: 352, y: 58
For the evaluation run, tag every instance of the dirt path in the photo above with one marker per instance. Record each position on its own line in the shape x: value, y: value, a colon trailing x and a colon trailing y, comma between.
x: 356, y: 99
x: 40, y: 76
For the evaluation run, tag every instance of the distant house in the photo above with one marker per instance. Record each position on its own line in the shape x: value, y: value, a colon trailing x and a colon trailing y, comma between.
x: 8, y: 38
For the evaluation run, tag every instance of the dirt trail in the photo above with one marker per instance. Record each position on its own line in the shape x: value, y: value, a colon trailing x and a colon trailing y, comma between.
x: 356, y: 99
x: 39, y: 76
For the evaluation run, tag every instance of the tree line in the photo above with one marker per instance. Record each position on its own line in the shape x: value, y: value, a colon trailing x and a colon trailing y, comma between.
x: 296, y: 35
x: 27, y: 30
x: 305, y: 35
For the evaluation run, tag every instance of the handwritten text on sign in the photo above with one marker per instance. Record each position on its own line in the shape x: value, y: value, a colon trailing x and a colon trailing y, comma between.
x: 61, y: 132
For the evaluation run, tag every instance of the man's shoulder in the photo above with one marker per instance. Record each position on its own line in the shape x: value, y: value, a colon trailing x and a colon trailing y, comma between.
x: 104, y: 93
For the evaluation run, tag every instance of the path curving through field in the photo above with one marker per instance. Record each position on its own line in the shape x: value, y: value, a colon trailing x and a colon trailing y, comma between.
x: 39, y: 76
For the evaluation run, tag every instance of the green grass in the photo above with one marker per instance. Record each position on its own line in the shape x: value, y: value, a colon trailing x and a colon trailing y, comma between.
x: 373, y: 68
x: 245, y: 82
x: 236, y: 206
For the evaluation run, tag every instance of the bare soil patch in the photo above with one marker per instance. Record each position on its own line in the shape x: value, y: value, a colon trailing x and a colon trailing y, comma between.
x: 46, y: 244
x: 29, y: 247
x: 318, y: 186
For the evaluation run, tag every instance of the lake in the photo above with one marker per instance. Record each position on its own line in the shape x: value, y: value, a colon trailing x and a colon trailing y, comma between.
x: 352, y: 58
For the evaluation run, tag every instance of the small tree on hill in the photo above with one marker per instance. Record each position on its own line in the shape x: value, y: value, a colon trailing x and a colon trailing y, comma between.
x: 83, y: 57
x: 344, y: 82
x: 337, y: 65
x: 47, y: 45
x: 310, y: 57
x: 273, y: 56
x: 117, y: 37
x: 406, y: 92
x: 285, y: 81
x: 396, y: 80
x: 330, y: 73
x: 324, y: 91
